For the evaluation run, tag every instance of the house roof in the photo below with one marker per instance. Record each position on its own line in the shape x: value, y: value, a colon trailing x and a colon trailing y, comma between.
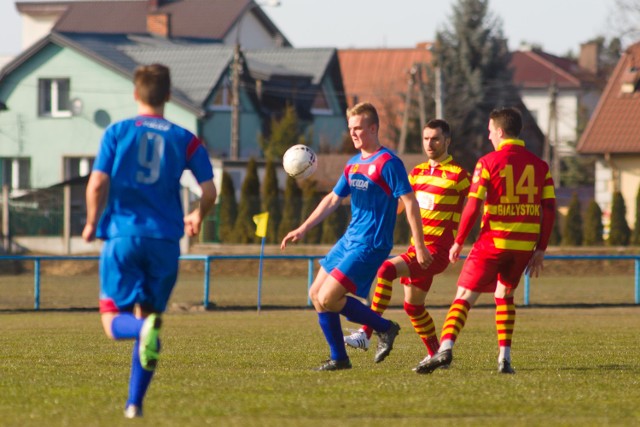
x: 207, y: 19
x: 613, y: 127
x: 535, y: 69
x: 380, y: 76
x: 196, y: 66
x: 297, y: 74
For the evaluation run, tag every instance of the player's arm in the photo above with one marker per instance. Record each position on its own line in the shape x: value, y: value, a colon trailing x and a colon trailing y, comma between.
x: 415, y: 223
x: 327, y: 205
x: 96, y: 197
x: 193, y: 221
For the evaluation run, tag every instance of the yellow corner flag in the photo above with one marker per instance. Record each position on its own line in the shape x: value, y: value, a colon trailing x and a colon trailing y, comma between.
x: 261, y: 221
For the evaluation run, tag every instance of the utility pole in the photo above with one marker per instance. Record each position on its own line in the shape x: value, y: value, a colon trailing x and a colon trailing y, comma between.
x: 549, y: 155
x: 234, y: 149
x: 438, y: 93
x: 402, y: 144
x: 236, y: 72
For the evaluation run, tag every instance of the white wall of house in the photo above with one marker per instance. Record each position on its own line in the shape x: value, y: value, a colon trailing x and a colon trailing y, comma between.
x: 36, y: 27
x: 538, y: 102
x: 626, y: 179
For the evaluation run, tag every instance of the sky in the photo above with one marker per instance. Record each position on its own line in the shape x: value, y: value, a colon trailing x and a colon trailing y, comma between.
x: 559, y: 26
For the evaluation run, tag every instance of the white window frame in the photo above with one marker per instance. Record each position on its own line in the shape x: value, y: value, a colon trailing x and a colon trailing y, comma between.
x: 16, y: 172
x: 54, y: 110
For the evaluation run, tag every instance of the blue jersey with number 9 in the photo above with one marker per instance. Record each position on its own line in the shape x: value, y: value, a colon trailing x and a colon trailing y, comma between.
x: 144, y: 157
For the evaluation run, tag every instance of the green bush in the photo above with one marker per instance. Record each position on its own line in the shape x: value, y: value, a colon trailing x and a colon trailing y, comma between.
x: 244, y: 227
x: 572, y: 233
x: 593, y: 228
x: 619, y: 231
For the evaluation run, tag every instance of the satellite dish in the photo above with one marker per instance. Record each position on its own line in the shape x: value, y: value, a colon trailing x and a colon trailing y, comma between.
x: 102, y: 118
x: 76, y: 106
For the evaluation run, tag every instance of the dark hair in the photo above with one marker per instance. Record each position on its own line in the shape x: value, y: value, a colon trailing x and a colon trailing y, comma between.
x: 439, y: 124
x: 367, y: 110
x: 508, y: 119
x: 153, y: 84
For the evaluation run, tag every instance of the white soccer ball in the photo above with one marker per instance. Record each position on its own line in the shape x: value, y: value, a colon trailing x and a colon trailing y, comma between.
x: 300, y: 161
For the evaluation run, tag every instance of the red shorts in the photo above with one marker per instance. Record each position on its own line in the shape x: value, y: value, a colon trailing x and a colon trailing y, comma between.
x: 422, y: 278
x: 485, y: 266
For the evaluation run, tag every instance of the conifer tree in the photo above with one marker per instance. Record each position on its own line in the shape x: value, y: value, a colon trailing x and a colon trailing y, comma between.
x: 619, y: 232
x: 271, y: 201
x: 249, y: 205
x: 291, y: 209
x: 285, y: 132
x: 474, y: 62
x: 572, y: 235
x: 227, y: 209
x: 593, y: 228
x: 556, y: 236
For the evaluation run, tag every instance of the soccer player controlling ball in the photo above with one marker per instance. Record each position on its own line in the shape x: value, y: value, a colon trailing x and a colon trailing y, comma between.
x: 517, y: 191
x: 136, y: 182
x: 375, y: 179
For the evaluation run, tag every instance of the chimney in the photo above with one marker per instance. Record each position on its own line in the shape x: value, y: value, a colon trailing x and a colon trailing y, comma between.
x: 159, y: 24
x: 590, y: 57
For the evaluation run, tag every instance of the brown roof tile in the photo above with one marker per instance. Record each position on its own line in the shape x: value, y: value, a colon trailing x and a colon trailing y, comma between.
x: 615, y: 124
x: 537, y: 69
x: 210, y: 19
x: 380, y: 76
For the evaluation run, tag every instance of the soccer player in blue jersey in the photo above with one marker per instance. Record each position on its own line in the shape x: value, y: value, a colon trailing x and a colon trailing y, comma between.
x: 133, y: 204
x: 375, y: 179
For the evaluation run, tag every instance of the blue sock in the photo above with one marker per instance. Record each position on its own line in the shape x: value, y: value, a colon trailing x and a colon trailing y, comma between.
x: 330, y: 324
x: 357, y: 312
x: 139, y: 380
x: 126, y: 326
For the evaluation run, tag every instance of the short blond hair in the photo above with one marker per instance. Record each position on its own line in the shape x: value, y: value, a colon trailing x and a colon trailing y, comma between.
x: 365, y: 109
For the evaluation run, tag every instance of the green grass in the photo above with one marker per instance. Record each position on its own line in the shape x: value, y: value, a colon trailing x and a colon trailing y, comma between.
x: 575, y: 367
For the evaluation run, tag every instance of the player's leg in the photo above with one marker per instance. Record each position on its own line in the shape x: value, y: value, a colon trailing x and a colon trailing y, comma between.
x: 416, y: 287
x: 505, y: 323
x: 327, y: 294
x: 355, y: 272
x: 509, y: 276
x: 387, y: 273
x: 414, y: 299
x: 157, y: 264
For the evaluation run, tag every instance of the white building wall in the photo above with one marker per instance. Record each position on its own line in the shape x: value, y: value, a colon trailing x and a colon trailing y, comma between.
x: 36, y: 27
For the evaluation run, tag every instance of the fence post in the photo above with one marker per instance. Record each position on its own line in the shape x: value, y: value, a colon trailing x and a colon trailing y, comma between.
x: 207, y: 268
x: 309, y: 280
x: 637, y: 282
x: 527, y: 279
x: 36, y: 284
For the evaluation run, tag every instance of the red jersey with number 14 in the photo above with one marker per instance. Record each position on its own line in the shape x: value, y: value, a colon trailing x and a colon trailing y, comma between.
x: 513, y: 182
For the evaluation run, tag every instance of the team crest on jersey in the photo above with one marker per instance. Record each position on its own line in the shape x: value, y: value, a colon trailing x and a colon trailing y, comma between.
x: 354, y: 168
x: 372, y: 170
x: 444, y: 175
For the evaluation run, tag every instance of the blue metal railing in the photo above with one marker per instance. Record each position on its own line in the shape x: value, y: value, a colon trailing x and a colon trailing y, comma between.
x: 310, y: 270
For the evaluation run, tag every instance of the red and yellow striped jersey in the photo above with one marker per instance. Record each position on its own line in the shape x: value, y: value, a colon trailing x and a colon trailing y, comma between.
x: 513, y: 182
x: 440, y: 191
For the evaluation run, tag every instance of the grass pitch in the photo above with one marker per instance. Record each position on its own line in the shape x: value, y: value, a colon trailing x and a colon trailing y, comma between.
x: 575, y: 367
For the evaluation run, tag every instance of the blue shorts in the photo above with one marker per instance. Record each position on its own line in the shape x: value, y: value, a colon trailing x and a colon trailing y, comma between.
x: 137, y: 270
x: 354, y: 266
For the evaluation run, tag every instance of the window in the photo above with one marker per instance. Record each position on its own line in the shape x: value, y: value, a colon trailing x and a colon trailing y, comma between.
x: 222, y: 99
x: 53, y: 97
x: 15, y: 172
x: 77, y: 166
